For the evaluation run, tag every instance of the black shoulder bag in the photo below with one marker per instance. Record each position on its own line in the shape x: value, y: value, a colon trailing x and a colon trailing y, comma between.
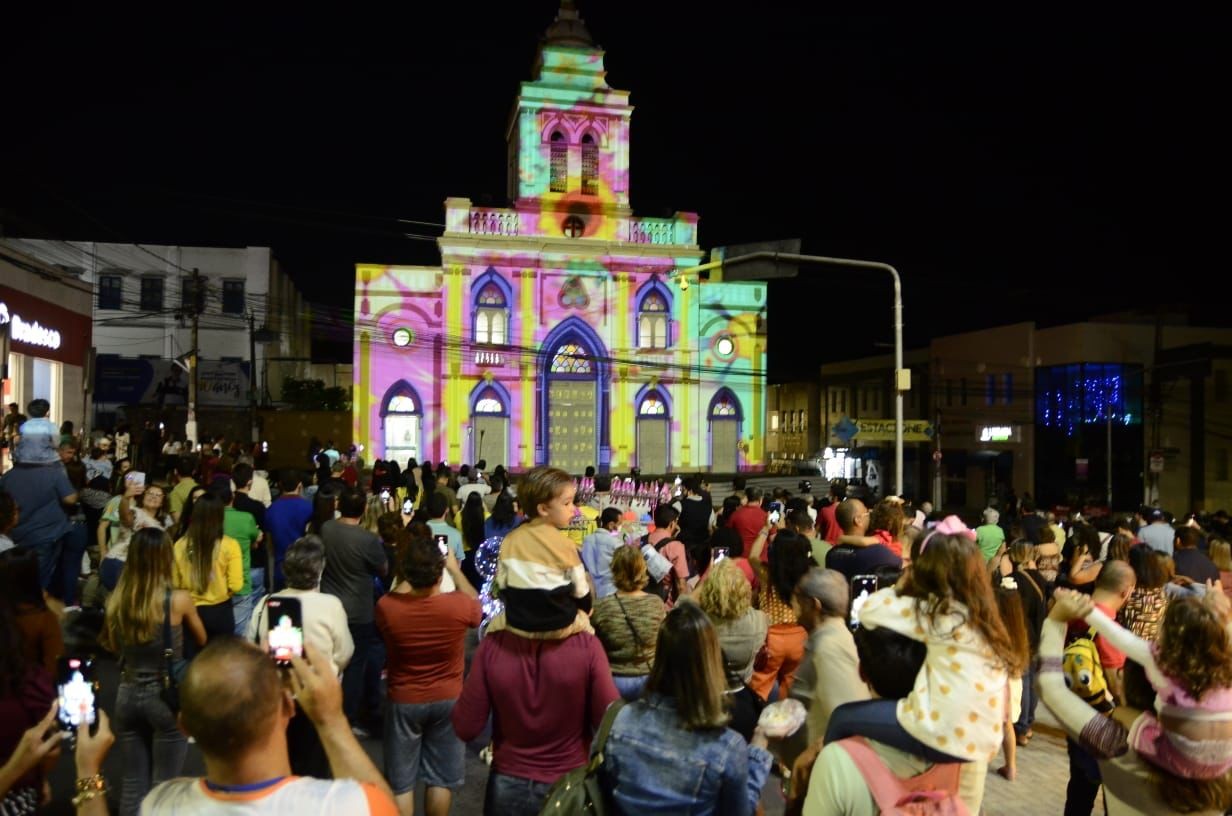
x: 173, y: 669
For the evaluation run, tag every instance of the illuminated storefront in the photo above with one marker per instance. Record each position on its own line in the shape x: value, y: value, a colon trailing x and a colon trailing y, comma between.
x: 45, y: 331
x: 564, y: 329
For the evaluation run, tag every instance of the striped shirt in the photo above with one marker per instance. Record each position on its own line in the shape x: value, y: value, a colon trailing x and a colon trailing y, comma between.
x: 540, y: 578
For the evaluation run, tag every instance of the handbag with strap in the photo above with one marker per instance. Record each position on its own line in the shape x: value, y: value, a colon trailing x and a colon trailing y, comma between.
x: 173, y: 669
x: 581, y: 790
x: 637, y: 639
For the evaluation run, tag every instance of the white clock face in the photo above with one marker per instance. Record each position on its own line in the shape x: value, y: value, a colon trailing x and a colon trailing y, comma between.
x: 403, y: 337
x: 725, y: 346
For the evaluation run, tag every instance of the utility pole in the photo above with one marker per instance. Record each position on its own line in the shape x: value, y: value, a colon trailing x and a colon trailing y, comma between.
x: 252, y: 375
x: 197, y: 305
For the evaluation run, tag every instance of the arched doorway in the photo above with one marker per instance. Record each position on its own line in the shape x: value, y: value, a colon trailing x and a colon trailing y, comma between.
x: 724, y: 417
x: 402, y: 421
x: 573, y: 399
x: 653, y: 418
x: 490, y: 424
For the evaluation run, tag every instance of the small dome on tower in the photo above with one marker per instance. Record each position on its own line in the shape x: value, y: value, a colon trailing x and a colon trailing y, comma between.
x: 568, y: 29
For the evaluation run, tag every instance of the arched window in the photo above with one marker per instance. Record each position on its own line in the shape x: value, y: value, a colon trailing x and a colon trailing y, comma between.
x: 724, y: 408
x: 491, y: 311
x: 571, y: 359
x: 401, y: 404
x: 652, y: 406
x: 559, y: 178
x: 489, y: 405
x: 652, y: 321
x: 590, y: 165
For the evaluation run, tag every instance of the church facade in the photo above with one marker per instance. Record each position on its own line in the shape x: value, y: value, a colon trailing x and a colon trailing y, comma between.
x: 563, y: 329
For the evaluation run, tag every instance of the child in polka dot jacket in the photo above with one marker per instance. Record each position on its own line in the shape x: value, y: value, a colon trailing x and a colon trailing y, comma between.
x: 960, y: 701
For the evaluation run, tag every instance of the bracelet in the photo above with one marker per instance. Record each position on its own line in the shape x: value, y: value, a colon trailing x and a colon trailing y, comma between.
x: 88, y: 788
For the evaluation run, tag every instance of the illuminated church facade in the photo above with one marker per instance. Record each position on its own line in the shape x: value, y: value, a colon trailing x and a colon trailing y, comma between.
x: 563, y: 329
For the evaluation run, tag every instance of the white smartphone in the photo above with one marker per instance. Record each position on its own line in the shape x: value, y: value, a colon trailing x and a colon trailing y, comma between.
x: 135, y: 477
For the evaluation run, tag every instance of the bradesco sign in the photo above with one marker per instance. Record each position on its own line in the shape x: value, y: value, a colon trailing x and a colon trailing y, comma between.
x: 42, y: 329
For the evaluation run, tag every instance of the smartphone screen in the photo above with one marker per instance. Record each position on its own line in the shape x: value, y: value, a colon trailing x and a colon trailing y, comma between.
x: 385, y: 494
x: 717, y: 554
x: 862, y: 586
x: 75, y: 686
x: 774, y: 516
x: 135, y: 477
x: 285, y: 629
x: 408, y: 507
x: 442, y: 544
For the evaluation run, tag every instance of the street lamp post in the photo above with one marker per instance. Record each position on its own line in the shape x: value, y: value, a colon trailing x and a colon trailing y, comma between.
x: 902, y: 378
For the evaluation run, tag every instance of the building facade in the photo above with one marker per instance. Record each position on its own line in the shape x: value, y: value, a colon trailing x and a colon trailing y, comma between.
x: 140, y: 294
x: 45, y: 335
x: 563, y: 329
x: 1073, y: 414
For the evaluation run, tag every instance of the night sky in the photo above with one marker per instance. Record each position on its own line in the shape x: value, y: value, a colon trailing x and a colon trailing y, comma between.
x: 1045, y: 168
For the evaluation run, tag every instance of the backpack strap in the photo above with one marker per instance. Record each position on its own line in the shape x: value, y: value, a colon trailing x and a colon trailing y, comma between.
x: 888, y: 789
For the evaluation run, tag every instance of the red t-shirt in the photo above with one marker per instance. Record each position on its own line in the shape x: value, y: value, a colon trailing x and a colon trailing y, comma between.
x: 424, y: 639
x: 546, y: 699
x: 1110, y: 657
x: 748, y: 521
x: 827, y: 524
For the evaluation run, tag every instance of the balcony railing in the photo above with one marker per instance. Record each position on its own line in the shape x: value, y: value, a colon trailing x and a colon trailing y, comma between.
x: 493, y: 222
x: 652, y: 231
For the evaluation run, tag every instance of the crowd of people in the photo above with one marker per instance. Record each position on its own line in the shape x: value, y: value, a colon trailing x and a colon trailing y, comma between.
x: 441, y: 607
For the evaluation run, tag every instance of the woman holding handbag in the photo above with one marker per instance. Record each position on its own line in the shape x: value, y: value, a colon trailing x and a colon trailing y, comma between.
x: 627, y: 623
x: 143, y: 614
x: 681, y: 724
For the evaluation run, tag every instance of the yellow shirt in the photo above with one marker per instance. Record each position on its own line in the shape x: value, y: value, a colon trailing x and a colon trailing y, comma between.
x: 226, y: 577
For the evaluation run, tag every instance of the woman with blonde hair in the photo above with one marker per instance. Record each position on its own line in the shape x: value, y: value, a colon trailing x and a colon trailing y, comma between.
x: 210, y: 566
x: 726, y: 597
x: 1221, y: 557
x: 683, y: 715
x: 145, y: 615
x: 627, y: 622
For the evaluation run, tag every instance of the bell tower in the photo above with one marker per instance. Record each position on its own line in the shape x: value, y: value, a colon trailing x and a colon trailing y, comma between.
x: 568, y: 135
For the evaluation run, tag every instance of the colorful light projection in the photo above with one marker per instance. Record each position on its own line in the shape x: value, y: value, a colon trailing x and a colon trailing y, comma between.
x: 550, y: 328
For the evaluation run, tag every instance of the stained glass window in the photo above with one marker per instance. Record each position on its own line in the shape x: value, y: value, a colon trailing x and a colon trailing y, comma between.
x: 571, y: 359
x: 491, y: 295
x: 724, y: 408
x: 652, y: 405
x: 489, y: 405
x: 401, y: 404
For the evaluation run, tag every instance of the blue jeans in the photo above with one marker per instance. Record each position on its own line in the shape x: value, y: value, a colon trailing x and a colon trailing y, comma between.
x: 49, y: 560
x: 244, y: 604
x: 68, y: 570
x: 630, y: 687
x: 513, y: 796
x: 109, y: 570
x: 153, y: 747
x: 364, y: 635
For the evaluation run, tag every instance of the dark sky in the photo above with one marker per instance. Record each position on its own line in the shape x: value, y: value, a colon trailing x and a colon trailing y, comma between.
x: 1045, y: 168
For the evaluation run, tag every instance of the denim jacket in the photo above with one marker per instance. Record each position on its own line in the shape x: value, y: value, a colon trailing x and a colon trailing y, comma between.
x: 653, y: 765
